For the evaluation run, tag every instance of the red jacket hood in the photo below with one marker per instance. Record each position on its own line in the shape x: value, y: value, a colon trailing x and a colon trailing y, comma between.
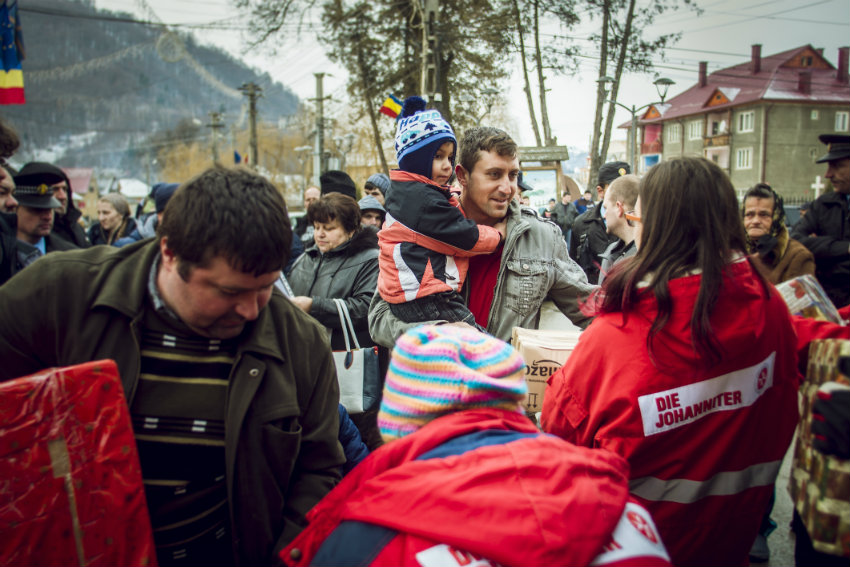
x: 545, y: 501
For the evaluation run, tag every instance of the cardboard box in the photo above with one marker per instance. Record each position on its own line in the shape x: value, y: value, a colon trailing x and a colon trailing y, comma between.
x: 544, y: 353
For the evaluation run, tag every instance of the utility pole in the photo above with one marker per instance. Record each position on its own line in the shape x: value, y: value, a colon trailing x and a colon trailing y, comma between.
x: 252, y: 91
x: 319, y: 150
x: 216, y: 123
x: 233, y: 141
x: 430, y: 78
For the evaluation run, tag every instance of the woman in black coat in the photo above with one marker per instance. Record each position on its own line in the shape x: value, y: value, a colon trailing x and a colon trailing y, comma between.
x: 342, y: 264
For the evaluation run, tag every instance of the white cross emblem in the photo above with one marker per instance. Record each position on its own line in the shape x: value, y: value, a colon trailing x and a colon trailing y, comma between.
x: 817, y: 186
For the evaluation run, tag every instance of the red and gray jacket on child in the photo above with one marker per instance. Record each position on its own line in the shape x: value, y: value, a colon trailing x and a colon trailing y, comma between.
x: 480, y: 487
x: 426, y: 240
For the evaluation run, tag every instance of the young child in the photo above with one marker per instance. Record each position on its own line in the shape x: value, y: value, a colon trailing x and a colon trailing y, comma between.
x: 426, y: 239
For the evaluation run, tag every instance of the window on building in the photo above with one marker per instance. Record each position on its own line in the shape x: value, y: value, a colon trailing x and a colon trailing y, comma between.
x: 815, y: 115
x: 842, y: 121
x: 744, y: 158
x: 695, y: 130
x: 806, y: 61
x: 674, y: 133
x: 746, y: 121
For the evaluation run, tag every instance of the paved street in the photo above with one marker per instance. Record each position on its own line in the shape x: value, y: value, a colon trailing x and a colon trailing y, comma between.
x: 781, y: 541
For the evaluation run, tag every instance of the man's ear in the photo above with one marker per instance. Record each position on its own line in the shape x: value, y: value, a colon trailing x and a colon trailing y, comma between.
x: 621, y: 209
x: 462, y: 175
x: 169, y: 259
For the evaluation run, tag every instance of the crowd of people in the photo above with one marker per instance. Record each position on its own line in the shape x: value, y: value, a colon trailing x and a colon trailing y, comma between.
x: 660, y: 439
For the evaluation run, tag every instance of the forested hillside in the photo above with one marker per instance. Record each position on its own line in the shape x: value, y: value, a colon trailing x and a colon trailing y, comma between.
x: 98, y: 88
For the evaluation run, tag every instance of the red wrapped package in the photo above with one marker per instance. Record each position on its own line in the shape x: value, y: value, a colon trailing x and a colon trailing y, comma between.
x: 70, y: 481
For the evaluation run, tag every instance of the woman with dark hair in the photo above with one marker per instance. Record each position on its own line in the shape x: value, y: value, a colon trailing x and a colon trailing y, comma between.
x: 689, y: 369
x: 779, y: 256
x: 113, y: 220
x: 342, y: 264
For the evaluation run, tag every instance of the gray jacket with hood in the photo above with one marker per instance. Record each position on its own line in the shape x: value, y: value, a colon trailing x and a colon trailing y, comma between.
x: 535, y: 267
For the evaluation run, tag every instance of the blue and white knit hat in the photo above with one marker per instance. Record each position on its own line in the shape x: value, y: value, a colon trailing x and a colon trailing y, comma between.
x: 440, y: 369
x: 419, y: 135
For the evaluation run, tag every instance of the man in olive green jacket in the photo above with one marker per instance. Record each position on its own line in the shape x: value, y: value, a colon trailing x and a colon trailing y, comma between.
x: 210, y: 277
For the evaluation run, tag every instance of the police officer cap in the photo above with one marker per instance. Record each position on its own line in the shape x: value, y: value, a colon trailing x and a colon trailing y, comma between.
x: 837, y: 145
x: 610, y: 171
x: 32, y: 185
x: 36, y: 196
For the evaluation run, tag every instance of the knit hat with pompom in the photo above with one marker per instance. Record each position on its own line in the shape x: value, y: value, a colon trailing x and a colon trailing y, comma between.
x: 419, y: 135
x: 440, y: 369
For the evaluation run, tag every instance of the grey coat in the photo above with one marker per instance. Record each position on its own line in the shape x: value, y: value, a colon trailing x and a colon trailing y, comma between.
x: 349, y: 272
x: 535, y: 266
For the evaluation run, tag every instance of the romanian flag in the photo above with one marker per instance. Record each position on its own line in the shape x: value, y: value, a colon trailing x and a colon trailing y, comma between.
x: 391, y: 107
x: 11, y: 75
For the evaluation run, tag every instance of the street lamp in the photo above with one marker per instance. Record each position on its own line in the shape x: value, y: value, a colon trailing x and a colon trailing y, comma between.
x: 662, y: 85
x: 488, y: 98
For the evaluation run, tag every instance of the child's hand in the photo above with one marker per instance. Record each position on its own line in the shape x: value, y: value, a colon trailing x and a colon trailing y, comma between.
x: 502, y: 227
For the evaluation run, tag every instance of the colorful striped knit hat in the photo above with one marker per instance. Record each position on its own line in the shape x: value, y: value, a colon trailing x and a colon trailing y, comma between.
x: 439, y: 369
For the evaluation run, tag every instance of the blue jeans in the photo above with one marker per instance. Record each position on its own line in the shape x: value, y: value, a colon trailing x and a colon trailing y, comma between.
x: 444, y: 306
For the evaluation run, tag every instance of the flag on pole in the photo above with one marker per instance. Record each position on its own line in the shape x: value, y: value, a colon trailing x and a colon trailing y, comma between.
x: 236, y: 157
x: 391, y: 107
x: 12, y: 44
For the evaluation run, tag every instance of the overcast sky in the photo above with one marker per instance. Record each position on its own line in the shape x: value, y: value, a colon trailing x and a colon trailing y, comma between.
x: 722, y: 36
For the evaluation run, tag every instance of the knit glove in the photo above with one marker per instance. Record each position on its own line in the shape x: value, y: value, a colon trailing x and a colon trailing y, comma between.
x: 831, y: 420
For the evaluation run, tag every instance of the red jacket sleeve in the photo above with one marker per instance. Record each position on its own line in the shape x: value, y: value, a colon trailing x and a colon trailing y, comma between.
x: 809, y: 330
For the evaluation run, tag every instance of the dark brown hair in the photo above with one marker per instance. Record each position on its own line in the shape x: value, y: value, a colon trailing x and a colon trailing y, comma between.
x: 484, y: 139
x: 690, y: 222
x: 335, y: 206
x: 228, y: 212
x: 9, y: 140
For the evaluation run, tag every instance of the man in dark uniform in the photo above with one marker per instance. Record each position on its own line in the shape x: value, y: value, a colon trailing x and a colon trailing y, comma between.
x: 825, y: 229
x: 67, y: 217
x: 33, y: 224
x: 590, y: 237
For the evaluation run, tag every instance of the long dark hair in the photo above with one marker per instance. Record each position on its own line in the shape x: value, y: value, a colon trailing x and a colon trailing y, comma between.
x: 690, y: 222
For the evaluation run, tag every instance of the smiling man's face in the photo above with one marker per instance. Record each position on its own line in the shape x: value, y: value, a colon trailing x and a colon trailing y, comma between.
x: 488, y: 189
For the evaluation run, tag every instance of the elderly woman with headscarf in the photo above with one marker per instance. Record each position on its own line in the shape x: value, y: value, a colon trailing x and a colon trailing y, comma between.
x: 779, y: 256
x: 113, y: 220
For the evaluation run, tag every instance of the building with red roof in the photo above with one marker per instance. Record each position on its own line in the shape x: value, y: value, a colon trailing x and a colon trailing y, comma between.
x: 759, y: 120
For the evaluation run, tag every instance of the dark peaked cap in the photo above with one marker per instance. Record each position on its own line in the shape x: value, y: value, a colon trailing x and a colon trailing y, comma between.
x: 837, y: 145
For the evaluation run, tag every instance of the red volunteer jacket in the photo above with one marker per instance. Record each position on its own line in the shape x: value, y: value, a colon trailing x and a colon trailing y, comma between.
x: 704, y: 444
x: 426, y: 241
x: 475, y: 488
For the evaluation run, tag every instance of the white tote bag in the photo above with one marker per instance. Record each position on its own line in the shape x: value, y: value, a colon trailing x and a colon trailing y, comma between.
x: 357, y: 369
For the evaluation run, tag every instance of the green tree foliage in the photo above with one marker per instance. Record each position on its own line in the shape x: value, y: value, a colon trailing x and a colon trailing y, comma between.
x: 380, y: 44
x: 622, y: 42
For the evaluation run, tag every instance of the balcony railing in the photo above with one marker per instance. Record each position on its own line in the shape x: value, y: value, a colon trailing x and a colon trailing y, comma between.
x: 655, y: 147
x: 713, y: 141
